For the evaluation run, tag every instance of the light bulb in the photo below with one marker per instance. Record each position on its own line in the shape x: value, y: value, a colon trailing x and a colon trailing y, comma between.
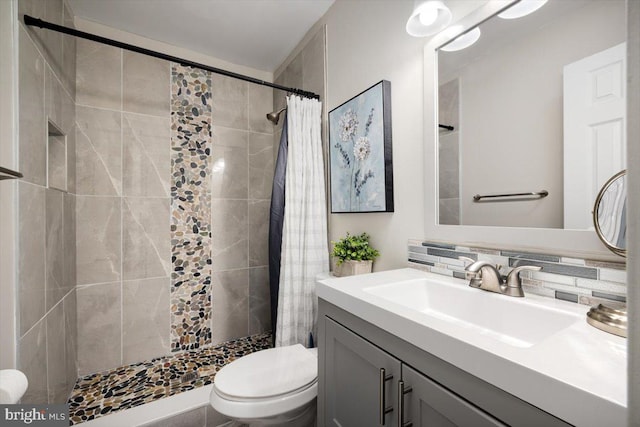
x: 428, y: 16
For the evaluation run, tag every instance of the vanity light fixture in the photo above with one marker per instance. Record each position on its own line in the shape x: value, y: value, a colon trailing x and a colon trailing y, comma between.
x: 522, y: 8
x: 428, y: 18
x: 463, y: 41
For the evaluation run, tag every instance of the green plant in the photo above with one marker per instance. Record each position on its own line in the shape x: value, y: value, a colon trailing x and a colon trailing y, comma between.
x: 354, y: 248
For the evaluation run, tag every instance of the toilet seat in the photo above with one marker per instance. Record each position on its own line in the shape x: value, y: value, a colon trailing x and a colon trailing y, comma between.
x: 266, y: 383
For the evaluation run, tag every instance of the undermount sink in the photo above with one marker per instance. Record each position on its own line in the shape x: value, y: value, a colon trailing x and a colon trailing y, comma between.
x: 513, y: 321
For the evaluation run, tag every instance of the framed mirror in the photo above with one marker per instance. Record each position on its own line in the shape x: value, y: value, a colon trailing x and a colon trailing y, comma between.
x: 610, y: 214
x: 533, y: 111
x: 513, y: 139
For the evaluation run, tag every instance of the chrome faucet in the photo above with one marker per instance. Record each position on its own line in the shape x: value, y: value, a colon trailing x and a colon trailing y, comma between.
x: 486, y: 276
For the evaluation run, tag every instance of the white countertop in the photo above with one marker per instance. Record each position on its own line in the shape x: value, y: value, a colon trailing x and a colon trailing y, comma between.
x: 577, y: 374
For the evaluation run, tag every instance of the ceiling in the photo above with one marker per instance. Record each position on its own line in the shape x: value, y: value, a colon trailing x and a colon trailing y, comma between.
x: 254, y: 33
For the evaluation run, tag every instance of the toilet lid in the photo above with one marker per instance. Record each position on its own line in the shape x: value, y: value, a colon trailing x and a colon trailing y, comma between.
x: 268, y: 373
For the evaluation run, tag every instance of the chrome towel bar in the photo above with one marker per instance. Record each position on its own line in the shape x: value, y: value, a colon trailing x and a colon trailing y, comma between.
x: 520, y: 196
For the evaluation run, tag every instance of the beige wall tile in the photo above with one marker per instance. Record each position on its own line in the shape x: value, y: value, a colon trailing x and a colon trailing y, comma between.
x: 99, y: 327
x: 145, y: 317
x: 57, y: 162
x: 32, y: 348
x: 70, y: 308
x: 60, y: 108
x: 261, y: 165
x: 69, y: 240
x: 32, y: 121
x: 146, y: 155
x: 98, y: 239
x: 313, y: 63
x: 52, y: 40
x: 146, y: 242
x: 57, y: 381
x: 230, y: 299
x: 71, y: 160
x: 230, y: 107
x: 259, y: 302
x: 31, y: 254
x: 98, y: 152
x: 69, y: 54
x: 230, y: 239
x: 229, y: 170
x: 98, y: 75
x: 146, y: 84
x: 258, y: 232
x: 56, y: 283
x: 260, y: 103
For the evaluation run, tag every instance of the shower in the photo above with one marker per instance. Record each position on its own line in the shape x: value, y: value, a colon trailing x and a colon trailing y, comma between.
x: 274, y: 116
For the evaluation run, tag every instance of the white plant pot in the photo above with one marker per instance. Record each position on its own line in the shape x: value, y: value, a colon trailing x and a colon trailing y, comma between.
x: 351, y: 268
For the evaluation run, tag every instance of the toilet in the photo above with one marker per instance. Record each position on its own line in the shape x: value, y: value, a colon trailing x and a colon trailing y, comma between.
x: 277, y: 386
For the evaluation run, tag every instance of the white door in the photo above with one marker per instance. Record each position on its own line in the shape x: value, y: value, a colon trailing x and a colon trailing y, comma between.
x: 594, y: 130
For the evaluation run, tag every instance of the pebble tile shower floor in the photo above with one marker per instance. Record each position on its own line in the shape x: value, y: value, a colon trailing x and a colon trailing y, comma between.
x: 128, y: 386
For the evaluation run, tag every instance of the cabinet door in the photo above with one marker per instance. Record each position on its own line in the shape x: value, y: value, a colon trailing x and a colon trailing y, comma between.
x: 430, y: 404
x: 356, y: 391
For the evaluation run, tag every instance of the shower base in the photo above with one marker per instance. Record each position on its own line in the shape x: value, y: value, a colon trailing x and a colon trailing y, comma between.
x: 129, y: 386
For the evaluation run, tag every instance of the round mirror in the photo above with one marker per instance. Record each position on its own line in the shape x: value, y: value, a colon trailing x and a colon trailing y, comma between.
x: 610, y: 213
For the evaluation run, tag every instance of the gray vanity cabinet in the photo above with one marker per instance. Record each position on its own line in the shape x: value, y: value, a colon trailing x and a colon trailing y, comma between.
x: 365, y: 383
x: 428, y: 404
x: 363, y: 370
x: 361, y: 377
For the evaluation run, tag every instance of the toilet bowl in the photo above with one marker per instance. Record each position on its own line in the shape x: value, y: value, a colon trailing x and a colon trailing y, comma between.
x: 277, y: 386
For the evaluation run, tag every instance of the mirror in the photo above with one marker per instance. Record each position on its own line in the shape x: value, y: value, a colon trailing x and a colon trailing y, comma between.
x: 610, y: 213
x: 535, y: 105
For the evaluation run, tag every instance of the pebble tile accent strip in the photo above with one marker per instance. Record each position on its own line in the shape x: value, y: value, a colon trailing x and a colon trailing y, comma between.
x: 128, y: 386
x: 570, y: 279
x: 190, y: 208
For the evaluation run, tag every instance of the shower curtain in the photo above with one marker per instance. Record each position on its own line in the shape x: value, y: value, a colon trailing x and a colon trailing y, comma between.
x: 276, y: 218
x: 304, y: 252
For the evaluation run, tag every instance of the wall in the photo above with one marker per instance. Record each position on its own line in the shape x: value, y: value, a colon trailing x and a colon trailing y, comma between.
x: 46, y: 206
x: 364, y: 48
x: 633, y: 259
x: 8, y: 188
x: 172, y: 210
x: 487, y: 87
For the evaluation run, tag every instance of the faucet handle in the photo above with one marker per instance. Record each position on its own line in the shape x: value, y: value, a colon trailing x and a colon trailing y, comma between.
x: 513, y: 279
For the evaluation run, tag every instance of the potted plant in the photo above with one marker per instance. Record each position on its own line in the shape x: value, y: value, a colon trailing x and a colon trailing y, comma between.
x: 353, y: 255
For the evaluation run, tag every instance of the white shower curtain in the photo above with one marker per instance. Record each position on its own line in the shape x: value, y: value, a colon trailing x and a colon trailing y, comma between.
x: 305, y: 251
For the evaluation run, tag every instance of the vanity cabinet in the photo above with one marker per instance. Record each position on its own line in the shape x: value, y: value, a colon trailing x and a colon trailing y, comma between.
x: 368, y: 377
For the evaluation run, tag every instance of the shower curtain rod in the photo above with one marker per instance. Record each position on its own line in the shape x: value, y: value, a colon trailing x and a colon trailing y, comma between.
x: 31, y: 21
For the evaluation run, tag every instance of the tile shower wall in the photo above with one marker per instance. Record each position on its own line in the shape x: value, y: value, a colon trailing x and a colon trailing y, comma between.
x: 171, y: 221
x: 123, y: 205
x: 241, y: 178
x: 46, y: 274
x: 570, y: 279
x: 449, y: 153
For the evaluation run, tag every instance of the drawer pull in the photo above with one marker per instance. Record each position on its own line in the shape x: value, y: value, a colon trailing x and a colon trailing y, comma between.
x: 382, y: 395
x: 401, y: 392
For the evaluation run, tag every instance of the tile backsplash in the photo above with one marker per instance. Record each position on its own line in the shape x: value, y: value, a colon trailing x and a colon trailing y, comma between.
x: 571, y: 279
